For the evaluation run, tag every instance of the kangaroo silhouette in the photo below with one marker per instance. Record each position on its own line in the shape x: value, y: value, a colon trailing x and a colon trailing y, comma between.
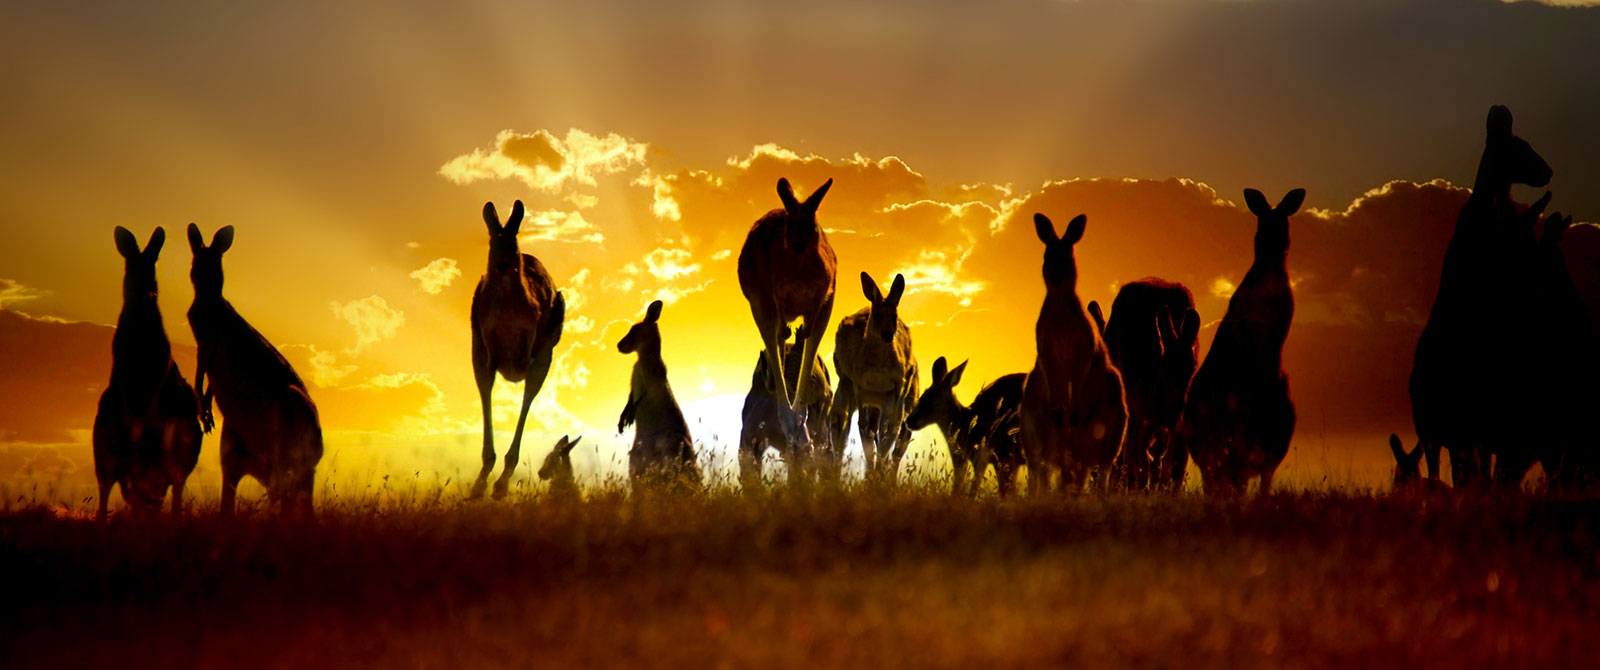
x: 147, y: 428
x: 762, y: 424
x: 877, y: 376
x: 1073, y: 415
x: 1239, y: 419
x: 1152, y: 337
x: 786, y: 272
x: 663, y: 451
x: 967, y: 430
x: 1566, y: 349
x: 517, y: 317
x: 1460, y: 398
x: 270, y: 426
x: 1408, y: 470
x: 557, y: 469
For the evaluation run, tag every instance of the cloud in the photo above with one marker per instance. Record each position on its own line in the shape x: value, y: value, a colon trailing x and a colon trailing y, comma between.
x: 559, y: 226
x: 670, y: 264
x: 436, y: 275
x: 372, y: 317
x: 545, y: 162
x: 13, y: 292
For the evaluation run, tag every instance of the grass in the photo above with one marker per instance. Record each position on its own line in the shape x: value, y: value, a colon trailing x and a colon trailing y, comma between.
x: 862, y: 577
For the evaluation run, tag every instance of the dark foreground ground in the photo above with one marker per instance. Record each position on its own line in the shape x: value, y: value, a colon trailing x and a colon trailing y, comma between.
x: 816, y: 580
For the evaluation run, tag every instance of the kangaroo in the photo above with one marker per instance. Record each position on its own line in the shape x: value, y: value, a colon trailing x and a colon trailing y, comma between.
x: 966, y: 429
x: 1239, y: 418
x: 662, y: 450
x: 1157, y: 357
x: 1003, y: 446
x: 1459, y: 376
x: 786, y: 272
x: 557, y: 469
x: 877, y: 375
x: 1566, y: 361
x: 762, y: 416
x: 517, y: 317
x: 1408, y: 470
x: 147, y: 428
x: 271, y: 430
x: 1073, y: 414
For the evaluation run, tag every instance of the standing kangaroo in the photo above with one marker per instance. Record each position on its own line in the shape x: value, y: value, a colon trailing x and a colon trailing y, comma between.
x: 1463, y: 361
x: 1073, y: 412
x: 270, y: 428
x: 557, y: 469
x: 1566, y: 351
x: 786, y: 271
x: 663, y: 451
x: 517, y: 317
x: 762, y: 417
x: 877, y: 375
x: 967, y: 430
x: 1152, y: 336
x: 1239, y: 418
x: 147, y: 429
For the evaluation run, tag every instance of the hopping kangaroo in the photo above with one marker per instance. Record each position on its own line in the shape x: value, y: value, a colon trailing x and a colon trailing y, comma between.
x: 1152, y: 337
x: 1464, y: 359
x: 1239, y: 417
x: 557, y: 469
x: 270, y: 428
x: 147, y: 429
x: 763, y: 412
x: 1073, y: 412
x: 877, y: 375
x: 968, y: 430
x: 517, y: 317
x: 786, y: 271
x: 662, y: 450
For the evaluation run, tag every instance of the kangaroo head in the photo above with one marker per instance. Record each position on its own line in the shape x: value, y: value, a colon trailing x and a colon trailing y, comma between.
x: 1272, y: 223
x: 139, y: 267
x: 505, y: 258
x: 1179, y: 357
x: 939, y: 401
x: 1060, y: 265
x: 206, y: 271
x: 645, y: 336
x: 558, y: 463
x: 883, y: 319
x: 1508, y: 159
x: 1407, y: 467
x: 800, y: 227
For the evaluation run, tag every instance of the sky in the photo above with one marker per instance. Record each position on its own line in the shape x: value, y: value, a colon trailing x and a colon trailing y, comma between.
x: 352, y: 146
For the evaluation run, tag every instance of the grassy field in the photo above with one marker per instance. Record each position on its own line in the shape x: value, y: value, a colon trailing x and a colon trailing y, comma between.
x: 857, y: 578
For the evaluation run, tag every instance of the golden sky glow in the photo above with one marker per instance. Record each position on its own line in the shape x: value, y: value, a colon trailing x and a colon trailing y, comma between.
x: 354, y: 166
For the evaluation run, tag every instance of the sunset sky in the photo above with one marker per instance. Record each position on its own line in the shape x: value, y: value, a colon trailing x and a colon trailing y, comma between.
x: 353, y: 145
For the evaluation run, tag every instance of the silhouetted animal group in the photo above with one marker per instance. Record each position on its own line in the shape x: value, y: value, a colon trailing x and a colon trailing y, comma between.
x: 1118, y: 401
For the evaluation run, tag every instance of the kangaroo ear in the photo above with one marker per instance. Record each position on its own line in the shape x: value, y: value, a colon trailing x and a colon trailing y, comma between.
x: 786, y: 194
x: 1075, y: 229
x: 126, y: 244
x: 561, y: 443
x: 1398, y: 449
x: 222, y: 240
x: 573, y: 443
x: 869, y: 288
x: 938, y: 370
x: 515, y: 221
x: 1099, y: 316
x: 1499, y: 123
x: 955, y: 375
x: 816, y: 196
x: 1169, y: 334
x: 1256, y: 202
x: 653, y: 314
x: 491, y: 218
x: 896, y: 290
x: 196, y: 242
x: 152, y: 249
x: 1291, y: 203
x: 1045, y: 229
x: 1191, y: 328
